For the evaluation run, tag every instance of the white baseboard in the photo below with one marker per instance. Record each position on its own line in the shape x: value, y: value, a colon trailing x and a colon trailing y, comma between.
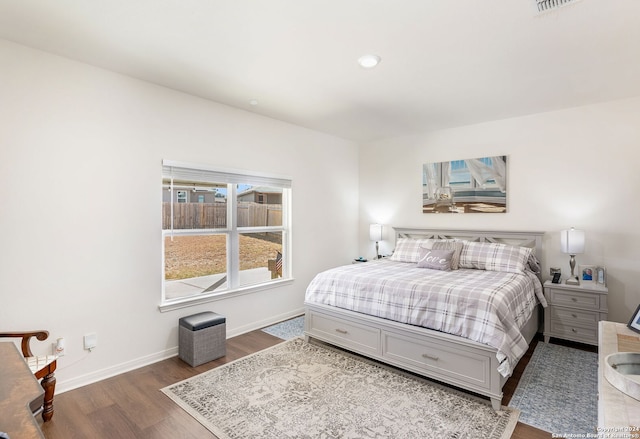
x: 108, y: 372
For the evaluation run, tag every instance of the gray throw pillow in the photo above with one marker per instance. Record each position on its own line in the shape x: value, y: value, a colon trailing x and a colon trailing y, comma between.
x: 435, y: 259
x: 456, y: 246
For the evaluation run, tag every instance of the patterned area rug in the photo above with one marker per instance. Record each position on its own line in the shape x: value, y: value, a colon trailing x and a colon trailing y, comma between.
x: 288, y: 329
x: 303, y: 390
x: 558, y: 391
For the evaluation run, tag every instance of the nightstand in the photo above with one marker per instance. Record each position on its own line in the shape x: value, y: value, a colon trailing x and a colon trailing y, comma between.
x: 573, y: 311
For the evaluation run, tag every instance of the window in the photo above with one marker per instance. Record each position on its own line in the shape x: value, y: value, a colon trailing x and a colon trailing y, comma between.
x: 480, y: 176
x: 232, y: 233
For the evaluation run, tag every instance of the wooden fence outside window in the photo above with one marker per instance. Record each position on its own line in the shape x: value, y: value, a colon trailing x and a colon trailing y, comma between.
x: 214, y: 215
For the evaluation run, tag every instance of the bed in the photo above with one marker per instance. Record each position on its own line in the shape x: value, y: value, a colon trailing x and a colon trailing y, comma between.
x: 466, y: 326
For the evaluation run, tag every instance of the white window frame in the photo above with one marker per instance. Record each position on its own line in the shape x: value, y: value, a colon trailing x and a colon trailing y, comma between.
x: 231, y: 177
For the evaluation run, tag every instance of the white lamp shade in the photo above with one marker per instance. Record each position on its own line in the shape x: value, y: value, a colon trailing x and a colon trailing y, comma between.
x: 572, y: 241
x: 375, y: 232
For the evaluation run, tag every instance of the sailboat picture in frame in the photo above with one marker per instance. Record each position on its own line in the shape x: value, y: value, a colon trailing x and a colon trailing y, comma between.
x: 465, y: 186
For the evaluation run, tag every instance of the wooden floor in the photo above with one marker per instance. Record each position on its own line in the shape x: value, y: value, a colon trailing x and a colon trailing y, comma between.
x: 131, y: 406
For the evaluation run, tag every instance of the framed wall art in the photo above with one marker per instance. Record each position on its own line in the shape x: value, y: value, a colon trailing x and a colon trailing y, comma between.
x: 634, y: 323
x: 465, y: 186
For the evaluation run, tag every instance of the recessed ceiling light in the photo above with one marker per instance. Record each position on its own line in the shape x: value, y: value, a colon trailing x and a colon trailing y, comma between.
x: 253, y: 102
x: 369, y: 61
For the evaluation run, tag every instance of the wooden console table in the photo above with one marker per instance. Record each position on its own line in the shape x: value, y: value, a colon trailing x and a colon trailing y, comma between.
x: 19, y: 388
x: 615, y: 409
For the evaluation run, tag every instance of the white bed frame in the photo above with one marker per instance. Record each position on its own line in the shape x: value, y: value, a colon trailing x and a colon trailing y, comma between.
x: 444, y: 357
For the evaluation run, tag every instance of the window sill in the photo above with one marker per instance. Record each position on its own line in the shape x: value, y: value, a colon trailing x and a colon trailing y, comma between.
x: 186, y: 302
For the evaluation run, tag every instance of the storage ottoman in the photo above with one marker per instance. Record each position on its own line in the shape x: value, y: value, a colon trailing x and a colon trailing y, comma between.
x: 202, y: 338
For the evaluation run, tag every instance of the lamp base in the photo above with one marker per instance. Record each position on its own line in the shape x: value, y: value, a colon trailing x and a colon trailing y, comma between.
x: 572, y: 281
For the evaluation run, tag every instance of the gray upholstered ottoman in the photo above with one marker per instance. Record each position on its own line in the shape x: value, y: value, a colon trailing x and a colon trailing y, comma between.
x: 202, y: 338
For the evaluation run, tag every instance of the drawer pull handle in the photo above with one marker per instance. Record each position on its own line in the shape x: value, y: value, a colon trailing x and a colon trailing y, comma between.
x: 575, y: 316
x: 574, y: 299
x: 574, y: 330
x: 430, y: 357
x: 341, y: 331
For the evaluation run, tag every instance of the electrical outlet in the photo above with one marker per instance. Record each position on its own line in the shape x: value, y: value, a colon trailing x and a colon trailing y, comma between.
x: 90, y: 341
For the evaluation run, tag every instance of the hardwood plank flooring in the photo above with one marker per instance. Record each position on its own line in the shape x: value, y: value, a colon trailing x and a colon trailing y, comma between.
x: 131, y: 405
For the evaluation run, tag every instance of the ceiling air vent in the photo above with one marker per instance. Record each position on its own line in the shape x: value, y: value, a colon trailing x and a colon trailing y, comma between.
x: 548, y: 5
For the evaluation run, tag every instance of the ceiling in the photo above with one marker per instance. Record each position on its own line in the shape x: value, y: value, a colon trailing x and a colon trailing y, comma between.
x: 445, y: 63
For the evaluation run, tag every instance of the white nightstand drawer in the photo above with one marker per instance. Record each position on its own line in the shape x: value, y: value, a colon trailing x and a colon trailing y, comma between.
x: 574, y: 332
x: 361, y: 337
x: 574, y: 299
x: 572, y: 316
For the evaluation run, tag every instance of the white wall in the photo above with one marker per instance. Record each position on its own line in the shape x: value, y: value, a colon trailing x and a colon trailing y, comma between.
x: 578, y: 167
x: 80, y: 172
x: 80, y: 155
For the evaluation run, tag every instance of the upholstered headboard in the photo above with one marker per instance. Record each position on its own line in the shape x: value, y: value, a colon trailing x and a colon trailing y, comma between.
x: 523, y: 239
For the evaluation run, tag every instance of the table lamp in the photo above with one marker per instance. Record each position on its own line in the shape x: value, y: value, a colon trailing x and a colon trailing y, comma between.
x: 572, y: 243
x: 375, y: 234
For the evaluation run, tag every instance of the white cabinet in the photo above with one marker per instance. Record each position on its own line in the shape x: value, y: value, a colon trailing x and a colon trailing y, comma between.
x: 573, y: 311
x: 618, y: 413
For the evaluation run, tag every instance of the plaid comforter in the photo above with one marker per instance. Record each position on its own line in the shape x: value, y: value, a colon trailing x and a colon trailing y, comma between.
x: 489, y: 307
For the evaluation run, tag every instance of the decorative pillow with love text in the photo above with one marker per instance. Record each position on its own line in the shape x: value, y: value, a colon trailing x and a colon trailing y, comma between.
x: 435, y: 259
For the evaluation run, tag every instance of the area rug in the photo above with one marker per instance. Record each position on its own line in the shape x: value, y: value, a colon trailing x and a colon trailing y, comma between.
x: 288, y: 329
x: 305, y: 390
x: 558, y: 391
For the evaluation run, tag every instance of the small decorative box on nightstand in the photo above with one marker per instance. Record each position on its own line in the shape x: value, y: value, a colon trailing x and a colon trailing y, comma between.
x: 573, y: 311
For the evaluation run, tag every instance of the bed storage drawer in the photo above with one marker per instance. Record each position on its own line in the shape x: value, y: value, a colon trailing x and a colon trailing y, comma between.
x: 350, y: 335
x: 438, y: 360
